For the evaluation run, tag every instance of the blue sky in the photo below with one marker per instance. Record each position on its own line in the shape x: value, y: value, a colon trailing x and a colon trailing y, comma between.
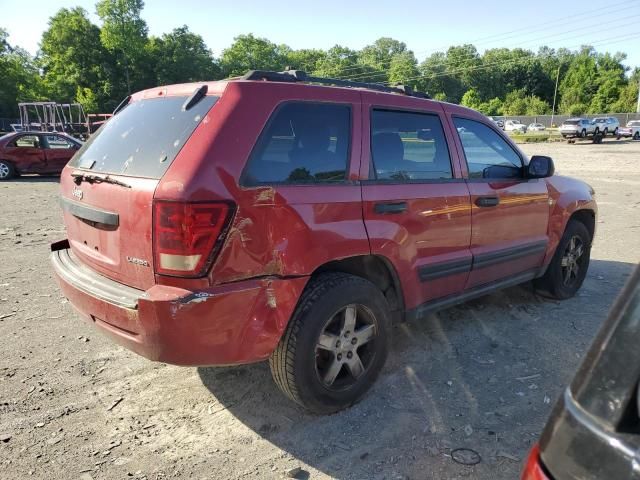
x: 423, y: 26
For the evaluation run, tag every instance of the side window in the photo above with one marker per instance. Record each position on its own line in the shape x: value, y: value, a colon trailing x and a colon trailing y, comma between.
x: 303, y: 142
x: 30, y: 141
x: 408, y: 146
x: 488, y: 154
x: 57, y: 142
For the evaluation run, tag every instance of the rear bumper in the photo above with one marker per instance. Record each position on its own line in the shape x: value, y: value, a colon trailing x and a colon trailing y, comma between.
x: 224, y: 325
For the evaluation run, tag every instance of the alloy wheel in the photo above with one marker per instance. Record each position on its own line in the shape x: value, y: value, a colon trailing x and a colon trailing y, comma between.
x: 571, y: 262
x: 346, y: 347
x: 4, y: 171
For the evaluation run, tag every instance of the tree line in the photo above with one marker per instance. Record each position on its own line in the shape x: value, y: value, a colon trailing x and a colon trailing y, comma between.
x: 98, y: 66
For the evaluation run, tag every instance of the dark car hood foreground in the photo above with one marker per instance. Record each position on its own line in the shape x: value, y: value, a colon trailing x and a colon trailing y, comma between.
x: 594, y: 429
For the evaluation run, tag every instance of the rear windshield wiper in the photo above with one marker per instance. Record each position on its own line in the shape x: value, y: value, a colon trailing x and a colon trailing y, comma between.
x: 79, y: 177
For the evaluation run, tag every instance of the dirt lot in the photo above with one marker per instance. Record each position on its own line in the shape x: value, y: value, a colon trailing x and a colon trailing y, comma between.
x: 482, y: 376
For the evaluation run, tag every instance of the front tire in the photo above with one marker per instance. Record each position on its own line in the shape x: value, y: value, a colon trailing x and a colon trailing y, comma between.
x: 636, y: 136
x: 7, y: 170
x: 335, y: 345
x: 583, y: 133
x: 615, y: 132
x: 568, y: 268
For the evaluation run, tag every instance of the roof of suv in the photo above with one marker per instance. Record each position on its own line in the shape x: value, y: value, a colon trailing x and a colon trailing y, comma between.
x: 292, y: 76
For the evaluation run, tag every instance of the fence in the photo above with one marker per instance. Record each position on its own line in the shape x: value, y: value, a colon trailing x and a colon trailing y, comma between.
x: 623, y: 118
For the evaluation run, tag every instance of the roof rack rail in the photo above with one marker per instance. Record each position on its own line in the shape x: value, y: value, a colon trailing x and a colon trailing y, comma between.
x: 301, y: 76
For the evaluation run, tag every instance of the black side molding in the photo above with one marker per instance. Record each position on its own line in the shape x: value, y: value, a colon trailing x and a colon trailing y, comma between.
x: 451, y: 300
x: 91, y: 214
x: 444, y: 269
x: 508, y: 254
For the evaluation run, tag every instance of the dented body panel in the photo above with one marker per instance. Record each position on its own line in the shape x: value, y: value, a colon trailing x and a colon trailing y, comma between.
x: 236, y: 323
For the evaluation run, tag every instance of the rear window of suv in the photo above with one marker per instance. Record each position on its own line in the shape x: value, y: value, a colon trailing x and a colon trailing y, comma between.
x: 144, y: 138
x: 303, y: 143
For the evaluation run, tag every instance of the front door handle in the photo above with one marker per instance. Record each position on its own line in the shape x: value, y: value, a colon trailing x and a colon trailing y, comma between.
x: 391, y: 207
x: 487, y: 201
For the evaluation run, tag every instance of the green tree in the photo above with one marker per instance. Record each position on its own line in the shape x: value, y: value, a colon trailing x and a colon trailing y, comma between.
x: 73, y: 59
x: 403, y: 70
x: 341, y: 62
x: 19, y: 77
x: 380, y: 54
x: 304, y: 59
x: 471, y: 99
x: 251, y: 53
x: 181, y: 56
x: 627, y: 101
x: 124, y: 33
x: 581, y: 81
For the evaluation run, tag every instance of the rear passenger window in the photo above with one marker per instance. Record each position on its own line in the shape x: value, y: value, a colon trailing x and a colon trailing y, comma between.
x: 408, y: 146
x: 302, y: 143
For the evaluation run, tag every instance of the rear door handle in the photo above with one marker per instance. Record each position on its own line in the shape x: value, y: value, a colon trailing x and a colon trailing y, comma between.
x: 487, y: 201
x: 392, y: 207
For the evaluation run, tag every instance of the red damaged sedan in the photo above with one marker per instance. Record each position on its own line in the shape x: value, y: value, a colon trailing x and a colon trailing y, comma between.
x: 35, y: 152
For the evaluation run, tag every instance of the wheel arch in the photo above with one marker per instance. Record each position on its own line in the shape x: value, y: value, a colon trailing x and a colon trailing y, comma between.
x: 587, y: 217
x: 379, y: 271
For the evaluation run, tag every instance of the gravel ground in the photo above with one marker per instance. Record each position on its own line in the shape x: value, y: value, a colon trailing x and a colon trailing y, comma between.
x: 482, y: 376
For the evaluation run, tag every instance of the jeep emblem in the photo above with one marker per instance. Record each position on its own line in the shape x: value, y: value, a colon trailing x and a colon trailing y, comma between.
x: 77, y: 193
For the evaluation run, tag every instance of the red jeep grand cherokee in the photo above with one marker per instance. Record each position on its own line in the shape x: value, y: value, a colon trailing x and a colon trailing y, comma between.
x: 276, y: 217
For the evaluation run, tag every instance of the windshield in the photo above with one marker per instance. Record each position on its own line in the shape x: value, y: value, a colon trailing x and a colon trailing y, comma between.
x: 143, y: 139
x: 571, y: 122
x: 634, y: 123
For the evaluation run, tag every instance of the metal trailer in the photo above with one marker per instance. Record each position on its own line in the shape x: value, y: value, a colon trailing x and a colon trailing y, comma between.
x: 59, y: 117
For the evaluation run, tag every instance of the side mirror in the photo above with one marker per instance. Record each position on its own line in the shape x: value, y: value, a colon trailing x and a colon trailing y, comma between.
x: 540, y: 167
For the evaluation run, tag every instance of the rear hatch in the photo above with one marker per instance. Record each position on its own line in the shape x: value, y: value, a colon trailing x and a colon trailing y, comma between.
x: 108, y: 187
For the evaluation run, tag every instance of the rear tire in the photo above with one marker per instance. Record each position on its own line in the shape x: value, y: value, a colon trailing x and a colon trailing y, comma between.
x: 606, y: 131
x: 7, y: 170
x: 335, y: 345
x: 615, y: 132
x: 636, y: 136
x: 583, y: 133
x: 568, y: 268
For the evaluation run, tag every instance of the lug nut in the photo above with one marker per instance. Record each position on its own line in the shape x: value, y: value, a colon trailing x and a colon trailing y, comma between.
x: 339, y: 356
x: 346, y: 334
x: 354, y: 340
x: 338, y: 344
x: 349, y: 354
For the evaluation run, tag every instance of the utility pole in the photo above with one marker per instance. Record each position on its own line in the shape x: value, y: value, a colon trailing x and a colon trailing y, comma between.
x: 555, y: 93
x: 638, y: 104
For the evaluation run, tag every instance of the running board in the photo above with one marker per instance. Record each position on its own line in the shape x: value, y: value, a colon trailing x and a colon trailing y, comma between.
x: 452, y: 300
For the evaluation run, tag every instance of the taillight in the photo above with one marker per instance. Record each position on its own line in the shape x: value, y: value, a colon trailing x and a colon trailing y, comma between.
x: 533, y: 469
x: 186, y: 236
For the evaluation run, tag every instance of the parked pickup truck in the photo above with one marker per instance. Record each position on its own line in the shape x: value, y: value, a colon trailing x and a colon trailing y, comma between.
x: 278, y: 217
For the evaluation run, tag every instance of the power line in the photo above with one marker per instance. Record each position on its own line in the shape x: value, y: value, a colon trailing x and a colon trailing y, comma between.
x: 506, y: 35
x: 604, y: 41
x: 445, y: 63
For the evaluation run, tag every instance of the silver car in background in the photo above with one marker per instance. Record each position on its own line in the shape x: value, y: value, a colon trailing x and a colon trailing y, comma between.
x: 515, y: 126
x: 631, y: 130
x: 607, y: 125
x: 577, y: 127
